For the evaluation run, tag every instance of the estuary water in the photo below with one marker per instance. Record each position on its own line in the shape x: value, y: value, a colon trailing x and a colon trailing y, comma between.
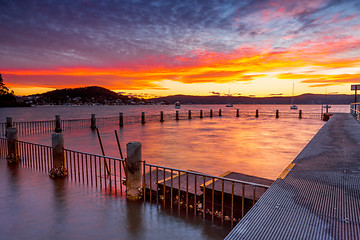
x: 261, y: 146
x: 33, y: 206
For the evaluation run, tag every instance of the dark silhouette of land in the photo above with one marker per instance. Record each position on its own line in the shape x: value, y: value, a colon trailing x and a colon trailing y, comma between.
x: 100, y: 95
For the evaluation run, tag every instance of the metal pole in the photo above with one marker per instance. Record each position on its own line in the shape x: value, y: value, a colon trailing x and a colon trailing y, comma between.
x: 161, y: 116
x: 143, y: 118
x: 121, y: 119
x: 102, y: 150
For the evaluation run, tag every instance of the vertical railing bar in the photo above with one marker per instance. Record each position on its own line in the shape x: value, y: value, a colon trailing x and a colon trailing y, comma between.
x: 82, y: 167
x: 212, y: 200
x: 157, y: 186
x: 254, y: 192
x: 232, y: 204
x: 91, y: 171
x: 120, y: 182
x: 144, y: 181
x: 243, y: 201
x: 99, y: 158
x: 115, y: 176
x: 204, y: 197
x: 78, y: 166
x: 164, y: 186
x: 187, y: 194
x: 179, y: 200
x: 171, y: 189
x: 195, y: 203
x: 222, y: 202
x: 150, y: 184
x: 87, y: 169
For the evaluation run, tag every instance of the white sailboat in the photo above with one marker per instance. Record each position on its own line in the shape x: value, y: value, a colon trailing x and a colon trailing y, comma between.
x: 177, y: 105
x: 229, y: 104
x: 293, y: 107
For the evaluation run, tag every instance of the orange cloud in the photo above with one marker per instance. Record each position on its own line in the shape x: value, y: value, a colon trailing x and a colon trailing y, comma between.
x: 243, y: 64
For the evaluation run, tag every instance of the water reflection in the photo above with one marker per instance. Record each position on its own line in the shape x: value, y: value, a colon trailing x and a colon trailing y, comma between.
x: 134, y: 215
x: 59, y: 203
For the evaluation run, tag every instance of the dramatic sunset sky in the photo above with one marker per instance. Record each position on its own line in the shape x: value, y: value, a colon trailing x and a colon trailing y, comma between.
x: 158, y: 48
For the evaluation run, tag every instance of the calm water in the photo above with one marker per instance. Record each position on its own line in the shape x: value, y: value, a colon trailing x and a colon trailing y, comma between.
x: 262, y: 147
x: 32, y: 206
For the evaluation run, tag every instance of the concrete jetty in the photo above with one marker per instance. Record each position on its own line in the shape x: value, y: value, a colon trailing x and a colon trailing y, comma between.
x: 318, y: 195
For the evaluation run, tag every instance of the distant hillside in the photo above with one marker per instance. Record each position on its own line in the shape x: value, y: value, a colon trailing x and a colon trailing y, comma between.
x: 83, y: 95
x: 301, y: 99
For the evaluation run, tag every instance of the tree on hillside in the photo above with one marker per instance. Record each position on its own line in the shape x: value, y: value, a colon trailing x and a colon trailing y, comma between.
x: 7, y: 97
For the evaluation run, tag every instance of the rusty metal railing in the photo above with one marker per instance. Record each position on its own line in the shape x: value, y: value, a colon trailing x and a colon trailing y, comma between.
x: 222, y: 199
x: 355, y: 111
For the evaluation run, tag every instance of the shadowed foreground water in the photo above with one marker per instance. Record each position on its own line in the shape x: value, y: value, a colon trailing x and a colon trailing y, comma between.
x: 33, y: 206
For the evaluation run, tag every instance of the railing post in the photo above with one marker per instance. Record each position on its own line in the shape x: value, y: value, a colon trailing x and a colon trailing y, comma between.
x: 143, y: 118
x: 277, y: 114
x: 93, y: 122
x: 161, y: 116
x: 237, y: 113
x: 121, y: 119
x: 177, y: 115
x: 257, y: 113
x: 300, y: 114
x: 201, y: 114
x: 220, y: 113
x: 133, y: 171
x: 189, y: 117
x: 59, y: 168
x: 57, y: 124
x: 12, y: 137
x: 211, y: 113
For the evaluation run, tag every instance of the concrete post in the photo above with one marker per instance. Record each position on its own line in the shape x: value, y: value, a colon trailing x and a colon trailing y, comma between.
x: 300, y: 114
x: 143, y: 118
x: 257, y: 113
x: 133, y: 171
x: 12, y: 137
x: 237, y: 113
x: 277, y: 114
x: 189, y: 117
x: 59, y: 168
x: 220, y: 113
x: 161, y: 116
x: 93, y: 122
x: 57, y: 124
x: 121, y: 119
x: 211, y: 113
x: 201, y: 114
x: 177, y: 116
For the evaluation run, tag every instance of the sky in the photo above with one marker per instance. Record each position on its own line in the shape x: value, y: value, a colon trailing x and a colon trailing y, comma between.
x: 158, y: 48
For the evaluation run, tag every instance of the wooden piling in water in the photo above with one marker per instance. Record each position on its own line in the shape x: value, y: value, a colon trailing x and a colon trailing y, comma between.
x: 220, y: 113
x: 211, y: 113
x: 277, y: 114
x: 257, y: 113
x: 58, y: 124
x: 133, y: 171
x: 59, y: 168
x: 201, y: 114
x: 9, y: 122
x: 161, y: 116
x: 12, y: 137
x: 300, y: 114
x: 93, y: 122
x: 177, y: 115
x: 189, y: 116
x: 121, y: 119
x: 143, y: 118
x: 237, y: 113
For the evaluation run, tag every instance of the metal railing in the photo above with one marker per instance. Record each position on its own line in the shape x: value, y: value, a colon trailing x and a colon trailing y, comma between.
x: 219, y: 198
x: 355, y: 111
x: 222, y: 199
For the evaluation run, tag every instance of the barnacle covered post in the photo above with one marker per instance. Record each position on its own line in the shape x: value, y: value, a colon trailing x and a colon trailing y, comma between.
x: 133, y: 171
x: 59, y: 168
x: 12, y: 137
